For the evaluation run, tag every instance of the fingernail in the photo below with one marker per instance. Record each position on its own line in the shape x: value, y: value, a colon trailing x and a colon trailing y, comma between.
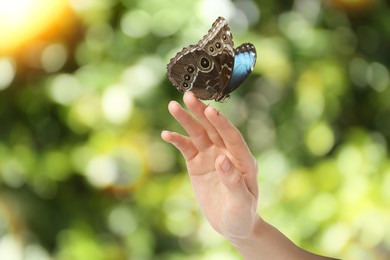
x: 225, y: 164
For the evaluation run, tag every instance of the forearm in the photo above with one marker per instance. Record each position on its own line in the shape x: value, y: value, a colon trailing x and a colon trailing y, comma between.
x: 266, y: 242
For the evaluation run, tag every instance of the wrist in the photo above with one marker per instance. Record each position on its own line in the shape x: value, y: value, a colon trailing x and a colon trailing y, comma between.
x: 244, y: 245
x: 267, y: 242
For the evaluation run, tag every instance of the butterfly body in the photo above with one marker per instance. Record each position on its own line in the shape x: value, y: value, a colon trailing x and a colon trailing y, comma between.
x: 212, y: 69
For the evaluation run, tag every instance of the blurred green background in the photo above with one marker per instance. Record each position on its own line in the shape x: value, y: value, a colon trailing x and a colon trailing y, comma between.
x: 83, y: 97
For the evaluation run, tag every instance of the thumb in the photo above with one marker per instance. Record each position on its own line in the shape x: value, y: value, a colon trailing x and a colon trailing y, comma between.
x: 230, y: 176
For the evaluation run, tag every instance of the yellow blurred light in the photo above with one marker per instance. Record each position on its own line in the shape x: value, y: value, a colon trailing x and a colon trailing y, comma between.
x: 86, y: 112
x: 335, y: 238
x: 320, y: 139
x: 311, y: 100
x: 274, y: 63
x: 23, y: 20
x: 350, y: 160
x: 322, y: 207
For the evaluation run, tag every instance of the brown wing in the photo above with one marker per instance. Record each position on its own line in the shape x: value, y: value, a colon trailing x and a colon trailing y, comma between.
x: 205, y: 68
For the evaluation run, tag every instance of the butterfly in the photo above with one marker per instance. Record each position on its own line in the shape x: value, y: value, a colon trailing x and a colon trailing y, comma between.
x: 212, y: 69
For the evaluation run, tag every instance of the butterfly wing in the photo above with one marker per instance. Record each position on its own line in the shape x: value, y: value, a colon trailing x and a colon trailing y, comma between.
x: 193, y: 69
x: 244, y: 62
x: 205, y: 68
x: 218, y: 43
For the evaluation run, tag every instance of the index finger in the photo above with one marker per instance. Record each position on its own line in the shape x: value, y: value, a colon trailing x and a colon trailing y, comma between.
x: 231, y: 136
x: 197, y: 108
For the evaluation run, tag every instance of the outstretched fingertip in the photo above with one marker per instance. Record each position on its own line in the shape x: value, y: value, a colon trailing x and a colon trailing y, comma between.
x: 190, y: 99
x: 164, y: 134
x: 173, y: 103
x: 190, y: 95
x: 211, y: 112
x: 173, y: 106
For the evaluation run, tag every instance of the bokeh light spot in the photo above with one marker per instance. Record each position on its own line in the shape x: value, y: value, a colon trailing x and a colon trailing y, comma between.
x: 210, y: 9
x: 161, y: 157
x: 98, y: 36
x: 166, y: 22
x: 372, y: 232
x: 13, y: 173
x: 319, y: 139
x: 118, y: 170
x: 36, y: 252
x: 274, y: 63
x: 322, y: 207
x: 378, y: 76
x: 136, y: 23
x: 310, y: 95
x: 297, y: 29
x: 179, y: 219
x: 274, y: 165
x: 53, y: 57
x: 64, y: 89
x: 139, y: 79
x: 122, y: 221
x: 7, y: 72
x: 117, y: 105
x: 102, y: 171
x: 357, y: 71
x: 10, y: 247
x: 56, y: 165
x: 335, y: 238
x: 85, y: 112
x: 350, y: 160
x: 385, y: 189
x: 309, y: 9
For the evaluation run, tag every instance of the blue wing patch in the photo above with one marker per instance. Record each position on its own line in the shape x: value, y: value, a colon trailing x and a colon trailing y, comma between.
x: 244, y: 61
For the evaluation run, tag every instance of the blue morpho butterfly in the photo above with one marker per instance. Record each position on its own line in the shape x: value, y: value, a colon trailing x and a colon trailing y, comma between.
x: 212, y: 69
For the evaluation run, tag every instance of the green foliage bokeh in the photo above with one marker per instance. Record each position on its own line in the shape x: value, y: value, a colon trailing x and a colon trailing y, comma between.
x: 85, y: 175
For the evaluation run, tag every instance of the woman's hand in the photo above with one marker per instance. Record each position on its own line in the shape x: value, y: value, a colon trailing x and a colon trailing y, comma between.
x: 223, y: 171
x: 223, y: 174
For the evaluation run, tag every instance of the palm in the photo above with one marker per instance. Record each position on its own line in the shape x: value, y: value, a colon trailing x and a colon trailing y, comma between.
x: 207, y: 185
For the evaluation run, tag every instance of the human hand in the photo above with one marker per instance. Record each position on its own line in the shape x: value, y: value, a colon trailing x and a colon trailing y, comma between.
x: 223, y: 174
x: 222, y: 170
